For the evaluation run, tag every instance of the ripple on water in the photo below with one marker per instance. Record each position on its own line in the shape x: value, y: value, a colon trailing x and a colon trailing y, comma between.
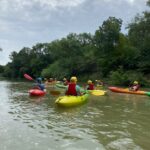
x: 123, y: 144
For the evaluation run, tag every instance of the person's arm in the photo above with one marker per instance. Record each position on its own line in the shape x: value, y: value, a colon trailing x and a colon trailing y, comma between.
x: 78, y: 89
x: 66, y: 89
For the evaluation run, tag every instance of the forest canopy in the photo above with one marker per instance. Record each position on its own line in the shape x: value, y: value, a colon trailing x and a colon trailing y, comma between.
x: 107, y: 54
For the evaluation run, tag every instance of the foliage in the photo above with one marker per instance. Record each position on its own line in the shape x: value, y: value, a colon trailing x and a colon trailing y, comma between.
x: 121, y: 77
x: 108, y: 54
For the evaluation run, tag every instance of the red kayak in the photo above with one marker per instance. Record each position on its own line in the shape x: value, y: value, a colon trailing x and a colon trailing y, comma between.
x: 122, y: 90
x: 36, y: 92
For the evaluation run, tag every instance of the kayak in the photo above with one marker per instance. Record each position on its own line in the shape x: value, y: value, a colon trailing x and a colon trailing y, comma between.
x: 148, y: 93
x: 97, y: 92
x: 36, y: 92
x: 69, y: 101
x: 61, y: 86
x: 122, y: 90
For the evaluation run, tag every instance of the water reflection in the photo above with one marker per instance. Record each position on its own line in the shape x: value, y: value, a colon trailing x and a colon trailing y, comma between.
x: 115, y: 121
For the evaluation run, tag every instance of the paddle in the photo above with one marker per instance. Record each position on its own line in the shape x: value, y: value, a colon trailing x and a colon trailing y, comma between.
x: 28, y: 77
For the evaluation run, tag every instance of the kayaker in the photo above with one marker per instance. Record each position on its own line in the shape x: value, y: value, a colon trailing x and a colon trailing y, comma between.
x: 39, y: 85
x: 90, y: 85
x: 73, y: 88
x: 65, y: 81
x: 50, y: 80
x: 135, y: 86
x: 99, y: 83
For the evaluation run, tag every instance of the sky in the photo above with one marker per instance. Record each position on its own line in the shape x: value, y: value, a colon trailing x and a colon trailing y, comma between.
x: 23, y: 23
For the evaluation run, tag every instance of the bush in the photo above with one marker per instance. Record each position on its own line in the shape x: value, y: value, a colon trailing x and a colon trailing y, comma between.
x: 120, y: 77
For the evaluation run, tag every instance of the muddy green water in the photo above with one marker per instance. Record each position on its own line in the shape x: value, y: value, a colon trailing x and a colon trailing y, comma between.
x: 111, y: 122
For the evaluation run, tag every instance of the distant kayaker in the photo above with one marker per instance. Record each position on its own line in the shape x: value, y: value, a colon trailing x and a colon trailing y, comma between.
x: 73, y: 88
x: 50, y: 80
x: 39, y: 85
x: 65, y: 81
x: 99, y: 83
x: 90, y: 85
x: 135, y: 86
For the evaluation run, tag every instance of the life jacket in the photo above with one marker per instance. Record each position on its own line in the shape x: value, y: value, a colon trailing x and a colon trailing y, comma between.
x: 71, y: 89
x: 90, y: 86
x: 136, y: 87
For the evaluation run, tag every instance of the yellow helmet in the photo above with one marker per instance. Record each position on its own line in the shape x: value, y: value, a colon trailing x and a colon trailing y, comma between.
x: 73, y: 79
x: 135, y: 82
x: 89, y: 82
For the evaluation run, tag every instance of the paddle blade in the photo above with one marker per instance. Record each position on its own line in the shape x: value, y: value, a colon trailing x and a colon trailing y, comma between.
x: 28, y: 77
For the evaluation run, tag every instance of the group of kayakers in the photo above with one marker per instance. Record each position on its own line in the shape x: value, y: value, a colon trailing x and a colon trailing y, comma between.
x: 72, y: 88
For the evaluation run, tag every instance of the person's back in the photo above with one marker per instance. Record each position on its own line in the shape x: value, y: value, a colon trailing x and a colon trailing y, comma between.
x: 73, y: 88
x: 90, y: 85
x: 135, y: 86
x: 39, y: 84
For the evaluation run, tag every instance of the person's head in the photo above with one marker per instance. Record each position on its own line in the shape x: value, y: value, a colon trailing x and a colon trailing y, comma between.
x: 135, y: 82
x: 64, y: 79
x: 73, y: 79
x: 89, y: 82
x: 39, y: 80
x: 51, y: 79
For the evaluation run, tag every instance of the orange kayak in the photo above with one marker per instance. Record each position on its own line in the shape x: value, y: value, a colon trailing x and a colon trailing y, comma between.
x: 122, y: 90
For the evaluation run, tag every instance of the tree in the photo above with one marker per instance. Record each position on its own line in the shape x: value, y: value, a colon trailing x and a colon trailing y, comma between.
x: 148, y: 2
x: 106, y: 40
x: 139, y: 36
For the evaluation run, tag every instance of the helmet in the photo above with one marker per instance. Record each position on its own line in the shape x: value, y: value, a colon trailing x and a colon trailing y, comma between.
x: 135, y: 82
x: 89, y: 82
x: 73, y: 79
x: 64, y: 79
x: 39, y: 80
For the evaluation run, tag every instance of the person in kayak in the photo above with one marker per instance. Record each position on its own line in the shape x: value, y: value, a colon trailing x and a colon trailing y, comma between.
x: 73, y: 88
x: 90, y: 85
x: 135, y: 86
x: 65, y: 81
x: 99, y: 83
x: 39, y: 85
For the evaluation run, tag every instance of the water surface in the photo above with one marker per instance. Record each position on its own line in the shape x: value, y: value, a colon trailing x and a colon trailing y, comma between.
x: 112, y: 122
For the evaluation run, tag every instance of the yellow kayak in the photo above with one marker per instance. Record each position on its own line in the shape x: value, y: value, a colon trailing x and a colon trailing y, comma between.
x: 69, y: 101
x: 97, y: 92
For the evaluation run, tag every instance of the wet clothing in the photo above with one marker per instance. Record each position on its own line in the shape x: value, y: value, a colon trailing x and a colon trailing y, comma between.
x: 73, y: 89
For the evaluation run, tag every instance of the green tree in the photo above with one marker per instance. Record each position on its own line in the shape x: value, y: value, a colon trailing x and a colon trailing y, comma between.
x: 106, y: 40
x: 139, y: 35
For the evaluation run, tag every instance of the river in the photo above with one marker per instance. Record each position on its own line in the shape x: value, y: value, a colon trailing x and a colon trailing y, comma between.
x: 111, y: 122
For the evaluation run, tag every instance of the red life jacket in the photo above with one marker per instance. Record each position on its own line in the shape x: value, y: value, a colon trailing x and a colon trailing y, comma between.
x: 71, y: 89
x: 91, y: 86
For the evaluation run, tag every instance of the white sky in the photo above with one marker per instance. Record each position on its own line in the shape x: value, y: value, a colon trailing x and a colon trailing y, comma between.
x: 23, y: 23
